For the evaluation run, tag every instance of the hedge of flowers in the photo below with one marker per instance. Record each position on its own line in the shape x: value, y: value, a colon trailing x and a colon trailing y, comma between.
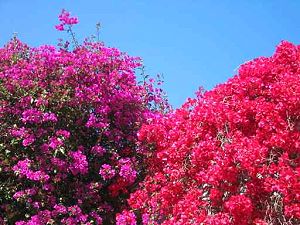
x: 230, y: 156
x: 68, y: 131
x: 82, y: 142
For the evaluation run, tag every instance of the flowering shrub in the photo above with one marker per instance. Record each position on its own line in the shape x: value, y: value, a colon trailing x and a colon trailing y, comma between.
x: 68, y: 125
x: 230, y: 156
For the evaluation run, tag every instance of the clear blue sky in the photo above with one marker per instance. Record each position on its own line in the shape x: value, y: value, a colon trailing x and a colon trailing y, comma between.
x: 192, y: 43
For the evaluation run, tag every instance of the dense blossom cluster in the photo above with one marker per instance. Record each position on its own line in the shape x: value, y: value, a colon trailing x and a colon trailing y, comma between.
x: 68, y: 126
x: 230, y: 156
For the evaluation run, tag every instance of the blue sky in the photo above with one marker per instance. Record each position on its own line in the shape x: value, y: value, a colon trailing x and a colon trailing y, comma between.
x: 192, y: 43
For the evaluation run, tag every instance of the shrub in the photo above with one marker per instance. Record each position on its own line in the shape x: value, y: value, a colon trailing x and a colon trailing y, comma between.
x: 230, y: 156
x: 68, y: 125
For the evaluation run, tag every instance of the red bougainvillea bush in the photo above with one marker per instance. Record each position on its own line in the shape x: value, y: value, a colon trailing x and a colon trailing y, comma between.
x: 68, y: 130
x: 230, y: 156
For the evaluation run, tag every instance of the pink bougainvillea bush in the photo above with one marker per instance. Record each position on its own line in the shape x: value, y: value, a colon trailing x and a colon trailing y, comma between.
x: 68, y: 131
x: 230, y: 156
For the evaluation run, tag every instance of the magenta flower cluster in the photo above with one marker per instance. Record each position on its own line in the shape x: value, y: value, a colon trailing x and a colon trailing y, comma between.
x: 66, y: 19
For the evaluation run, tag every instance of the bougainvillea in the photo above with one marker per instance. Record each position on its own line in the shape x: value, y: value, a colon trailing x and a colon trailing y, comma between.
x: 229, y: 156
x: 68, y: 127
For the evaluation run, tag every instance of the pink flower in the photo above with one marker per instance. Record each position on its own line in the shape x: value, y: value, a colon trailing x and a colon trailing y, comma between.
x: 19, y: 132
x: 55, y: 142
x: 19, y: 194
x: 60, y: 209
x: 49, y: 117
x: 107, y: 172
x: 28, y: 141
x: 145, y: 218
x: 65, y: 19
x: 60, y: 27
x: 127, y: 171
x: 63, y: 133
x: 22, y: 168
x: 79, y: 163
x: 31, y: 116
x: 126, y: 218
